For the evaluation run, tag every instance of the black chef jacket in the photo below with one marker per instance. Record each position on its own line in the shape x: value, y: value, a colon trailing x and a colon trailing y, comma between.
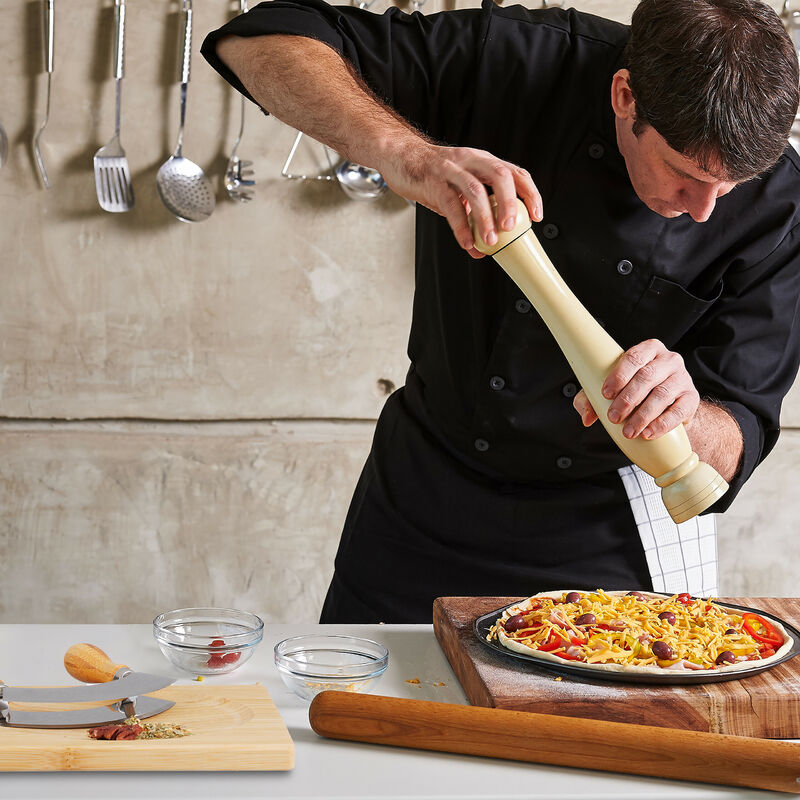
x: 488, y: 385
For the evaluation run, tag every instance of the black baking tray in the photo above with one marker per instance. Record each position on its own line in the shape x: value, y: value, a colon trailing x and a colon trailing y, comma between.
x: 483, y: 624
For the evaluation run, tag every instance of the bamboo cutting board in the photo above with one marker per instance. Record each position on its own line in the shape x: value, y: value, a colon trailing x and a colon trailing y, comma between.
x: 233, y: 728
x: 765, y: 705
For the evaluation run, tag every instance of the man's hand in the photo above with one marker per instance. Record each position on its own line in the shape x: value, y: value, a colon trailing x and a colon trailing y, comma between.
x: 451, y: 181
x: 652, y: 393
x: 650, y: 390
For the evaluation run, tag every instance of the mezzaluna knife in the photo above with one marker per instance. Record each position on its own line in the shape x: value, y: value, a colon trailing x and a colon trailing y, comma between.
x: 109, y: 682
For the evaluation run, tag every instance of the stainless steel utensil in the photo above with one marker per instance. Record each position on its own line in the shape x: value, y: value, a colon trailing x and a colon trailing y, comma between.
x: 238, y: 176
x: 3, y: 146
x: 285, y: 172
x: 112, y: 176
x: 182, y: 185
x: 109, y: 681
x: 49, y: 42
x: 357, y: 181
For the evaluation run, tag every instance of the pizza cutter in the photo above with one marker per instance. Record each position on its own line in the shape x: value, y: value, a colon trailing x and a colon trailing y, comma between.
x: 108, y: 682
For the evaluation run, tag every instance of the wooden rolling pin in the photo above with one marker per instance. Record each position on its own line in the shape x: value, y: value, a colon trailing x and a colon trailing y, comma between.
x: 566, y: 741
x: 688, y: 485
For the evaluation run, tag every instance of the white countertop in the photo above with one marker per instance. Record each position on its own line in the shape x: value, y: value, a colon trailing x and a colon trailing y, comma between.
x: 32, y: 655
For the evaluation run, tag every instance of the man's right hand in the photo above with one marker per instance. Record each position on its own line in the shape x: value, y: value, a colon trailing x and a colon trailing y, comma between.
x: 452, y: 182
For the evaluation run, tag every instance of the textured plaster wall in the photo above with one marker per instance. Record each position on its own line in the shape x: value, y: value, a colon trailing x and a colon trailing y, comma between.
x: 184, y: 409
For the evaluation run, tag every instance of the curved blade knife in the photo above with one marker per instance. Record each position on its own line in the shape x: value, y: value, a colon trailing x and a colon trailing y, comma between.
x: 143, y: 707
x: 109, y: 681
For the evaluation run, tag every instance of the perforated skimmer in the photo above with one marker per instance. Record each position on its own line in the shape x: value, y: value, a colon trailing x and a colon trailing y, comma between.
x: 182, y: 185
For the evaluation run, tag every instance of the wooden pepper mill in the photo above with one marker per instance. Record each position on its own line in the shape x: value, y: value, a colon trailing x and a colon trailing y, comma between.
x: 688, y: 485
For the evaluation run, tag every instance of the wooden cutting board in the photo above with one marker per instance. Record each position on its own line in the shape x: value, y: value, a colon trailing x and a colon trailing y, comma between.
x: 765, y: 705
x: 233, y: 728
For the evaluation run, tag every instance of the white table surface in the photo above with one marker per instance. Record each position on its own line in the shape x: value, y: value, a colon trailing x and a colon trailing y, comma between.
x: 33, y: 654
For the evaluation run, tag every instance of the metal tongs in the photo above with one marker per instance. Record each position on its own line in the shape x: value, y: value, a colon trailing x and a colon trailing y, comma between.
x: 109, y: 682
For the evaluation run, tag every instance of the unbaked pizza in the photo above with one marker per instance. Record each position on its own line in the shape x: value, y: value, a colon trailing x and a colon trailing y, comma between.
x: 639, y: 632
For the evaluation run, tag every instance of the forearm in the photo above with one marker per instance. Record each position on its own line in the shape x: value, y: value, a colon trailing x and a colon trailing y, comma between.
x: 716, y: 438
x: 309, y: 86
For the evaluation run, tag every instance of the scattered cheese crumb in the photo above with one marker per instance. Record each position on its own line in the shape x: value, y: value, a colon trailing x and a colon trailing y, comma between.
x: 440, y: 683
x: 559, y: 678
x: 415, y: 681
x: 199, y: 678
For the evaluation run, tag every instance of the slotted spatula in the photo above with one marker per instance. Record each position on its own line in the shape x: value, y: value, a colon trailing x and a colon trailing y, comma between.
x: 112, y: 176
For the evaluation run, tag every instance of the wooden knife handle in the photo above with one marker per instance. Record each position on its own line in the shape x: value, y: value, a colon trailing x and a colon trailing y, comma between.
x: 90, y: 664
x: 566, y: 741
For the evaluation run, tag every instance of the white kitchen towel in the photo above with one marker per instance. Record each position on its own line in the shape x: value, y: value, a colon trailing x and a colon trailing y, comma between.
x: 681, y: 557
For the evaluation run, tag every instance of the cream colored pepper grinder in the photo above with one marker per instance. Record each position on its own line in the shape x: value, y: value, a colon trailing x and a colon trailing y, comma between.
x: 688, y: 485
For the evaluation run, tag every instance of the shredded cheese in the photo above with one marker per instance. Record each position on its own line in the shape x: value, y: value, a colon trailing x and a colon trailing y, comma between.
x: 626, y: 627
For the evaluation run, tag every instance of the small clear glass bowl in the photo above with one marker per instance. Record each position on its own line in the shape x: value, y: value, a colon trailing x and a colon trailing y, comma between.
x: 311, y: 664
x: 208, y: 641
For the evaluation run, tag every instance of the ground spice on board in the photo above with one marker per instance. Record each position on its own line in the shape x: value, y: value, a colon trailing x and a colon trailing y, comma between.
x: 134, y: 728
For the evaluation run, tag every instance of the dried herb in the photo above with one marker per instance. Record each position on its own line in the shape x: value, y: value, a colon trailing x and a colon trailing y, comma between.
x: 134, y: 728
x: 158, y: 730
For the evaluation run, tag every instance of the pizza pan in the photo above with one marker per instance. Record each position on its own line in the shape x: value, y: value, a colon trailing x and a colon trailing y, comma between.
x: 484, y: 623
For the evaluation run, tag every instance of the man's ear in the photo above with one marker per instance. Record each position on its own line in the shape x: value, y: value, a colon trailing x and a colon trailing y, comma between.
x: 621, y: 96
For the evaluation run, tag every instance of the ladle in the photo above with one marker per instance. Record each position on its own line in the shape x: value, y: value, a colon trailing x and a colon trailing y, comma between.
x: 688, y: 485
x: 182, y: 185
x: 357, y: 181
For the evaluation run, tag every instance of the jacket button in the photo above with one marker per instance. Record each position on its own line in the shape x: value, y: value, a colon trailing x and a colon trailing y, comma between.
x: 497, y: 383
x: 522, y: 306
x: 569, y: 390
x: 481, y: 445
x: 624, y: 267
x: 563, y: 462
x: 596, y: 151
x: 550, y: 231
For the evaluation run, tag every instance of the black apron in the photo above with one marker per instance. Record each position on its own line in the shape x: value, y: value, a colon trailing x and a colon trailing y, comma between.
x: 424, y: 524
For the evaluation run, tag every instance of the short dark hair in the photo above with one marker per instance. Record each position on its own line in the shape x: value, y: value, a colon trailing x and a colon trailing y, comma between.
x: 717, y: 79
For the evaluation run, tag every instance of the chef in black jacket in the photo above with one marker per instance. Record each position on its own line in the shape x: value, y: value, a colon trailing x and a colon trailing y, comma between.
x: 483, y: 479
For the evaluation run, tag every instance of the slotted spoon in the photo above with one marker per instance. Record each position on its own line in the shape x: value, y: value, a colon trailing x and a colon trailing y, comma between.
x: 112, y: 176
x: 182, y: 186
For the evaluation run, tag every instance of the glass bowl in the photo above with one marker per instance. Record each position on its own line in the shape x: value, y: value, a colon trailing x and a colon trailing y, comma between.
x: 311, y: 664
x: 208, y: 641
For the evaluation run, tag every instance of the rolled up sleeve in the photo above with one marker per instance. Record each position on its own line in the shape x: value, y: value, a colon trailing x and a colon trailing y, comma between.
x: 421, y: 65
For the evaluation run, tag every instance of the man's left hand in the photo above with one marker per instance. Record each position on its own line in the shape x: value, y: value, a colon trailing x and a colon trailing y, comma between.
x: 650, y: 390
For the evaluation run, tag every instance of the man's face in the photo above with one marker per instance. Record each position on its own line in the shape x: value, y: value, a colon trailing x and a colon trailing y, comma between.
x: 665, y: 181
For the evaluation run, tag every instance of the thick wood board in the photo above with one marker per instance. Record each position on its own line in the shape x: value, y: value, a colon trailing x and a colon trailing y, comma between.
x: 232, y: 728
x: 765, y: 705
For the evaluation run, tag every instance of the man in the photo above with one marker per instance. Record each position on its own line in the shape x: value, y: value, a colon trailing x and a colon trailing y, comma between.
x: 644, y: 144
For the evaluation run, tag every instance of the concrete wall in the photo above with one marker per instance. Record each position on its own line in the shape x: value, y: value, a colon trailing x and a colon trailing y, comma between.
x: 184, y: 409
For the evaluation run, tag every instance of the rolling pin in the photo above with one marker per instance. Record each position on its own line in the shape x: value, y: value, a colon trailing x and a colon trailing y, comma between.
x: 565, y: 741
x: 688, y: 485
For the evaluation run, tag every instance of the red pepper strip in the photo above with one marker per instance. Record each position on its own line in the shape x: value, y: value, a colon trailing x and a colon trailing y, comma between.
x: 685, y: 598
x: 761, y: 630
x: 568, y: 657
x: 766, y: 653
x: 553, y: 643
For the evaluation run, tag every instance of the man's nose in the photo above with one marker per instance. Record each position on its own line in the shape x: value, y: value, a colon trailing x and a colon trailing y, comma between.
x: 700, y: 201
